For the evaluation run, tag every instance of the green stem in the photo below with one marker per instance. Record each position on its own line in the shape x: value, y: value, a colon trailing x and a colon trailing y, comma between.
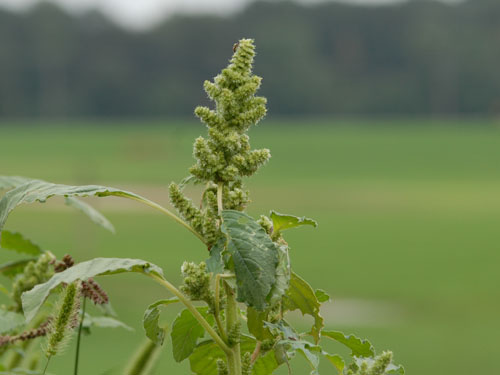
x: 220, y: 188
x: 194, y: 311
x: 79, y: 336
x: 46, y: 365
x: 168, y: 213
x: 217, y: 308
x: 234, y: 359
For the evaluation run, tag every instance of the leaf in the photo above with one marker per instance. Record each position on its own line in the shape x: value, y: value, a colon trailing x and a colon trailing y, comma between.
x: 33, y: 299
x: 150, y: 320
x: 282, y: 275
x: 91, y: 212
x: 359, y: 348
x: 254, y: 255
x: 308, y: 350
x: 11, y: 269
x: 321, y: 295
x: 10, y: 320
x: 282, y: 222
x: 9, y: 182
x: 186, y: 331
x: 255, y: 324
x: 265, y: 364
x: 395, y: 369
x: 214, y: 263
x: 39, y: 191
x: 337, y: 361
x: 104, y: 322
x: 16, y: 242
x: 300, y: 296
x: 203, y: 360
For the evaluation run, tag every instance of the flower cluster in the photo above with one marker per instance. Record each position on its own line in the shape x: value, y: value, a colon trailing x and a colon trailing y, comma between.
x: 93, y: 291
x: 197, y: 282
x: 35, y: 272
x: 65, y: 320
x: 377, y: 366
x: 225, y: 157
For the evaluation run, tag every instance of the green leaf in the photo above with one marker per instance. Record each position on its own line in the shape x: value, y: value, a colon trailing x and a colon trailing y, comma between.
x: 337, y: 361
x: 282, y: 222
x: 33, y: 299
x: 359, y: 348
x: 11, y: 269
x: 321, y: 295
x: 308, y: 350
x: 265, y: 364
x: 16, y: 242
x: 91, y: 212
x: 10, y: 320
x: 204, y: 357
x: 300, y: 296
x: 255, y: 257
x: 215, y: 263
x: 104, y: 322
x: 395, y: 369
x: 186, y: 331
x: 255, y: 324
x: 39, y: 191
x: 282, y: 275
x: 150, y: 320
x: 9, y: 182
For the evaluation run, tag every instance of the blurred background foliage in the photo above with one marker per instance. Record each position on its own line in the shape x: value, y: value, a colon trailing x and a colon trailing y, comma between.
x: 415, y: 57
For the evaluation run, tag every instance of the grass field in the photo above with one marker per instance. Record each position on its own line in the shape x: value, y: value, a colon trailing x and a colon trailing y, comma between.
x: 408, y: 242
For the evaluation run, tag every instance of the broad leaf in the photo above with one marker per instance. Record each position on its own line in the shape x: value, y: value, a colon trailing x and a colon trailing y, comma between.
x: 359, y: 348
x: 40, y: 191
x: 104, y: 322
x: 33, y: 299
x: 321, y: 295
x: 10, y: 320
x: 186, y: 331
x: 300, y: 296
x: 337, y: 361
x: 150, y: 320
x: 16, y: 242
x: 91, y: 212
x: 203, y: 361
x: 255, y: 324
x: 308, y: 350
x: 282, y: 222
x: 266, y: 364
x: 11, y: 269
x: 254, y: 255
x: 283, y: 273
x: 9, y: 182
x: 215, y: 263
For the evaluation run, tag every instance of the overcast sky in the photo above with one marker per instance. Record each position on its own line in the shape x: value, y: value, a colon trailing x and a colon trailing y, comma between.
x: 143, y: 13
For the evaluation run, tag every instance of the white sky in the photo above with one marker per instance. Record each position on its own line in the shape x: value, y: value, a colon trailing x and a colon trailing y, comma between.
x: 143, y: 13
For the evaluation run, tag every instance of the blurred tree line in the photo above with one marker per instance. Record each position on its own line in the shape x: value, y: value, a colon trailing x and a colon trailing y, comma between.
x: 419, y: 57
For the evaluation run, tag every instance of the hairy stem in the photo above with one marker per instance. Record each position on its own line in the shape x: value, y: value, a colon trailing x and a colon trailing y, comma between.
x: 169, y: 213
x: 217, y: 308
x: 234, y: 359
x: 220, y: 188
x: 79, y: 337
x: 218, y: 340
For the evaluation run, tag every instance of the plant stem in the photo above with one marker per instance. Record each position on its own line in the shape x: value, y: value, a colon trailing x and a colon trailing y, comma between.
x: 79, y: 337
x: 194, y: 311
x: 46, y: 365
x: 168, y: 213
x: 220, y: 188
x: 234, y: 359
x: 256, y: 352
x: 217, y: 308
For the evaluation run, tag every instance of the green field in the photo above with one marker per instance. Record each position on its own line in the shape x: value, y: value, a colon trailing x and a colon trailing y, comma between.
x: 407, y: 246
